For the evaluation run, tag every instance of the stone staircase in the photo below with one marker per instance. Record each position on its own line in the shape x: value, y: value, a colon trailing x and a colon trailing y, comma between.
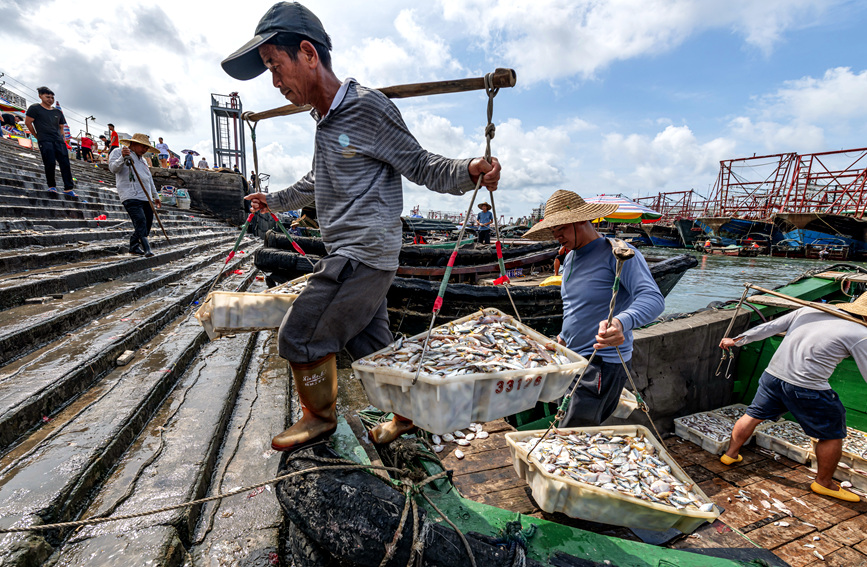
x: 81, y: 436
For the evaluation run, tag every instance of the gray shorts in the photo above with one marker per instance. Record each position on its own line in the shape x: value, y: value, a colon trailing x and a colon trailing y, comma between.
x: 343, y: 306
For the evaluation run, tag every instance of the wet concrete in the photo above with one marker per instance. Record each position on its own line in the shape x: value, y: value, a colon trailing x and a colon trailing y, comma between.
x: 245, y: 529
x: 27, y: 327
x: 171, y: 462
x: 14, y: 290
x: 42, y: 382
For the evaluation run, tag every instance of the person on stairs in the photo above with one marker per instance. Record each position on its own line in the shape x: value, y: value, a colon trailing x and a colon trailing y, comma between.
x: 46, y: 122
x: 121, y: 162
x: 362, y: 148
x: 796, y: 380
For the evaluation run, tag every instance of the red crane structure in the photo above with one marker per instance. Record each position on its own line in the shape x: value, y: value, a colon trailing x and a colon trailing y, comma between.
x: 750, y: 188
x: 828, y: 182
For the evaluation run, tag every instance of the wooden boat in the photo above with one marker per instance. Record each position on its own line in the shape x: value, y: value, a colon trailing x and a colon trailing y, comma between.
x: 411, y: 298
x: 445, y: 244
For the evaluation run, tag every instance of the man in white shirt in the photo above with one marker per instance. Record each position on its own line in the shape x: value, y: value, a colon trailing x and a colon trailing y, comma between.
x: 203, y: 163
x: 121, y: 162
x: 796, y: 380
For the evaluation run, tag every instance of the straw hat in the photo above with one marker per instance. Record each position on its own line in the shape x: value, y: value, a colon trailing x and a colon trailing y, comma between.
x: 566, y: 207
x: 485, y: 205
x: 857, y: 307
x: 140, y: 139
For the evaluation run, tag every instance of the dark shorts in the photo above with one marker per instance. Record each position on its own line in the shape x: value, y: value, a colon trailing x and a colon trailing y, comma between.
x: 597, y: 395
x: 484, y: 237
x: 820, y: 412
x: 343, y: 306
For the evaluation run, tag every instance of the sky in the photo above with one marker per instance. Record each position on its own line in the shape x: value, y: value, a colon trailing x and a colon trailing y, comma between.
x: 635, y: 97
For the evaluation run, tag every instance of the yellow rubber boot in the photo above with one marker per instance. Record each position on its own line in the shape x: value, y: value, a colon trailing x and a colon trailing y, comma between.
x: 726, y: 460
x: 316, y: 383
x: 841, y: 493
x: 387, y: 432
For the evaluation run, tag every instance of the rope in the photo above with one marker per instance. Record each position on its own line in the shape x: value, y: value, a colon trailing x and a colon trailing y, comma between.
x: 490, y: 130
x: 410, y: 487
x: 503, y: 279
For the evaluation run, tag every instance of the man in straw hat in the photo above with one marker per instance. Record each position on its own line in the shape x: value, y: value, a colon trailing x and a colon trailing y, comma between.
x: 796, y: 380
x: 485, y: 218
x: 130, y: 191
x: 362, y: 148
x: 588, y: 277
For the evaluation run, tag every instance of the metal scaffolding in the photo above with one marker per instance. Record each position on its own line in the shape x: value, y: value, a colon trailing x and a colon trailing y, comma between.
x: 227, y: 130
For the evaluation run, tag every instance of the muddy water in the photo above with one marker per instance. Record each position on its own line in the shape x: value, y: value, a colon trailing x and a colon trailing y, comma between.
x: 720, y: 278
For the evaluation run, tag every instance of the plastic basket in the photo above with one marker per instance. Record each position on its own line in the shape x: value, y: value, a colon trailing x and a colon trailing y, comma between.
x: 781, y: 446
x: 732, y: 412
x: 581, y: 500
x: 849, y: 458
x: 628, y: 404
x: 707, y: 443
x: 167, y: 195
x: 443, y: 404
x: 227, y: 312
x: 183, y: 198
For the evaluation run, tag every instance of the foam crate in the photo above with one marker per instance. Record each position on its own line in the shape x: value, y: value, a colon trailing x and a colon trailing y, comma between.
x: 444, y: 404
x: 704, y: 441
x: 227, y: 312
x: 781, y: 446
x: 727, y: 412
x: 588, y: 502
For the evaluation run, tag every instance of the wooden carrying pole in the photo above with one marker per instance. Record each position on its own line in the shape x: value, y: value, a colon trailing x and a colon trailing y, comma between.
x: 502, y: 78
x: 819, y: 306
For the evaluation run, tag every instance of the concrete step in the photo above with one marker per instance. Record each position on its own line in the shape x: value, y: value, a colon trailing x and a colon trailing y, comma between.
x: 116, y: 245
x: 82, y: 211
x: 52, y: 479
x: 117, y: 229
x: 245, y: 529
x: 170, y: 463
x: 12, y: 226
x: 16, y: 288
x: 42, y: 381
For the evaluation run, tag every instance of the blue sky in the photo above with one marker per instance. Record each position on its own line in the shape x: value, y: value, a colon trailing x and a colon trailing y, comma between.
x: 631, y: 96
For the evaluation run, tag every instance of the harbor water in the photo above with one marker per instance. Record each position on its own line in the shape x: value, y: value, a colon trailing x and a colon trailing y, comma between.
x: 722, y: 278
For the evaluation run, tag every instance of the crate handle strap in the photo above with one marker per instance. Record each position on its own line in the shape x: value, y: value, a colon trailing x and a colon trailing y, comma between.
x: 490, y: 130
x: 503, y: 279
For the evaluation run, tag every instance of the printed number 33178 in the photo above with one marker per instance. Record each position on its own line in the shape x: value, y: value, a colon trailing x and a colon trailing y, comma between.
x: 509, y: 385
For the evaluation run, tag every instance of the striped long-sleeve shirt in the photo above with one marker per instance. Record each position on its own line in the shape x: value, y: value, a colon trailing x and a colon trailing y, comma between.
x: 362, y: 148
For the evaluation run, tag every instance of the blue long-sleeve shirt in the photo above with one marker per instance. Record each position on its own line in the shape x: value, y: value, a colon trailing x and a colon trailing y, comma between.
x: 588, y: 276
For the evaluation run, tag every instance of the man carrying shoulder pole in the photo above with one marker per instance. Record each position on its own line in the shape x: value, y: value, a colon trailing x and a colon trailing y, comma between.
x: 796, y: 380
x: 362, y: 148
x: 133, y: 177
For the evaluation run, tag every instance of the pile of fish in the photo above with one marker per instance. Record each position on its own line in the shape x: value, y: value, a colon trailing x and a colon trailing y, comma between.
x: 790, y: 432
x: 732, y: 412
x: 490, y: 343
x: 458, y: 437
x: 293, y: 289
x: 716, y: 428
x: 628, y: 465
x: 855, y: 443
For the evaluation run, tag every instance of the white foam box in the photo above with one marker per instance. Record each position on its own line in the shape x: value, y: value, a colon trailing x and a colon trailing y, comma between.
x: 707, y: 443
x: 227, y: 312
x: 443, y: 404
x: 781, y: 446
x: 581, y: 500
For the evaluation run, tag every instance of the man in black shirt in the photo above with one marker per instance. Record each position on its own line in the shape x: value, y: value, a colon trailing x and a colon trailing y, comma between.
x: 46, y: 123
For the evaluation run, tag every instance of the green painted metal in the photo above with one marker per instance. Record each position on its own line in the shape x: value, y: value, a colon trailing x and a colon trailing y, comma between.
x: 550, y: 537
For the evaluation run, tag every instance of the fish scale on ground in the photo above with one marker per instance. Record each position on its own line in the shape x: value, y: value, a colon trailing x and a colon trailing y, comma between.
x: 483, y: 345
x: 626, y: 464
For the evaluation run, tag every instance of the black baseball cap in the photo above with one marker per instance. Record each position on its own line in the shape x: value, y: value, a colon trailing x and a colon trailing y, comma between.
x: 282, y: 17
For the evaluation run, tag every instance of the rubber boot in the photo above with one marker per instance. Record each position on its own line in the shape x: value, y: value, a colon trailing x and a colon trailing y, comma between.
x: 146, y: 246
x: 316, y: 383
x: 387, y: 432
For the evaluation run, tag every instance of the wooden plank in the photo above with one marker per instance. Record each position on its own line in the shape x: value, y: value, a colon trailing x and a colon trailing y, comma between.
x: 838, y: 276
x: 797, y: 555
x: 493, y: 480
x: 772, y: 537
x: 476, y: 462
x: 513, y: 499
x: 850, y: 532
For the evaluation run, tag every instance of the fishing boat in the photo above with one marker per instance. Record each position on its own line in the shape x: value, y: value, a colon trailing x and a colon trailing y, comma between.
x: 413, y: 292
x: 445, y: 244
